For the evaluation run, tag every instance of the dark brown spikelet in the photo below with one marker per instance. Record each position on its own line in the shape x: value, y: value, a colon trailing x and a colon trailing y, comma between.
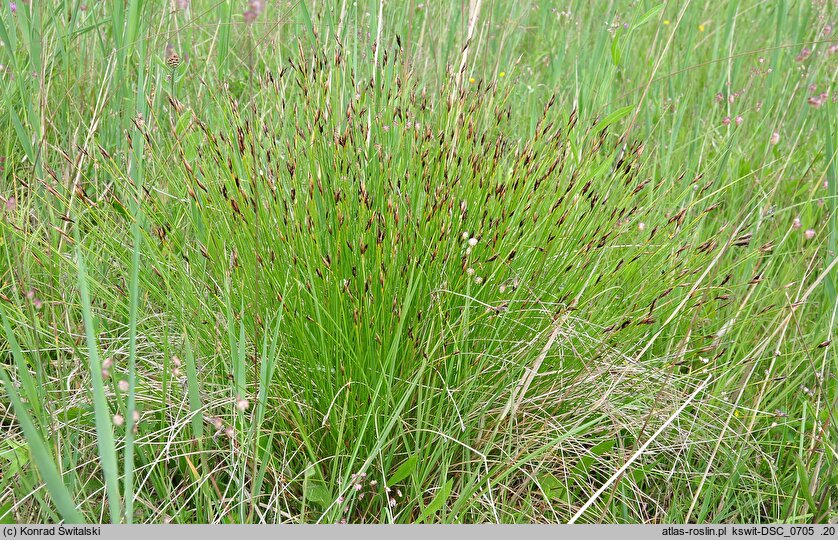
x: 743, y: 240
x: 172, y: 58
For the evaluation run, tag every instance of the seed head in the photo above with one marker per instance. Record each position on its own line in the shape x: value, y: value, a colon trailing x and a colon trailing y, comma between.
x: 775, y: 137
x: 804, y: 54
x: 172, y: 57
x: 255, y: 8
x: 809, y: 234
x: 817, y: 101
x: 242, y: 404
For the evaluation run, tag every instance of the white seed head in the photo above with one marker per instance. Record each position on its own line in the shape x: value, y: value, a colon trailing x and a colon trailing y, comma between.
x: 242, y: 404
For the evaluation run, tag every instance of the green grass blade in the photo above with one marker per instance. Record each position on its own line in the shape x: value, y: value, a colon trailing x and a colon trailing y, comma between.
x: 193, y: 389
x: 43, y: 459
x: 104, y: 425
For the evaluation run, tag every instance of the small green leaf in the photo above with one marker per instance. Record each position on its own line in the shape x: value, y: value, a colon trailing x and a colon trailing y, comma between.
x: 310, y: 471
x: 82, y: 414
x: 403, y: 471
x: 614, y: 117
x: 552, y: 487
x: 120, y: 209
x: 318, y: 494
x: 183, y: 122
x: 648, y: 15
x: 6, y: 515
x: 615, y: 48
x: 438, y: 500
x: 15, y: 456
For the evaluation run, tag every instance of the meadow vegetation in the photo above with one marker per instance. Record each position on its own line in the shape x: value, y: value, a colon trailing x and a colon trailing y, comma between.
x: 445, y: 261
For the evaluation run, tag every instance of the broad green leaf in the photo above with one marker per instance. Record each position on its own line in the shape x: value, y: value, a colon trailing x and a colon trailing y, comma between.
x: 403, y: 471
x: 439, y: 500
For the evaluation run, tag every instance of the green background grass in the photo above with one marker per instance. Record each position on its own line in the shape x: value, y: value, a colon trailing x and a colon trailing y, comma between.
x: 480, y: 261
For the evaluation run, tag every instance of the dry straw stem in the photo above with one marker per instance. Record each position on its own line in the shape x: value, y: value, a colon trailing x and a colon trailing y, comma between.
x: 639, y: 452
